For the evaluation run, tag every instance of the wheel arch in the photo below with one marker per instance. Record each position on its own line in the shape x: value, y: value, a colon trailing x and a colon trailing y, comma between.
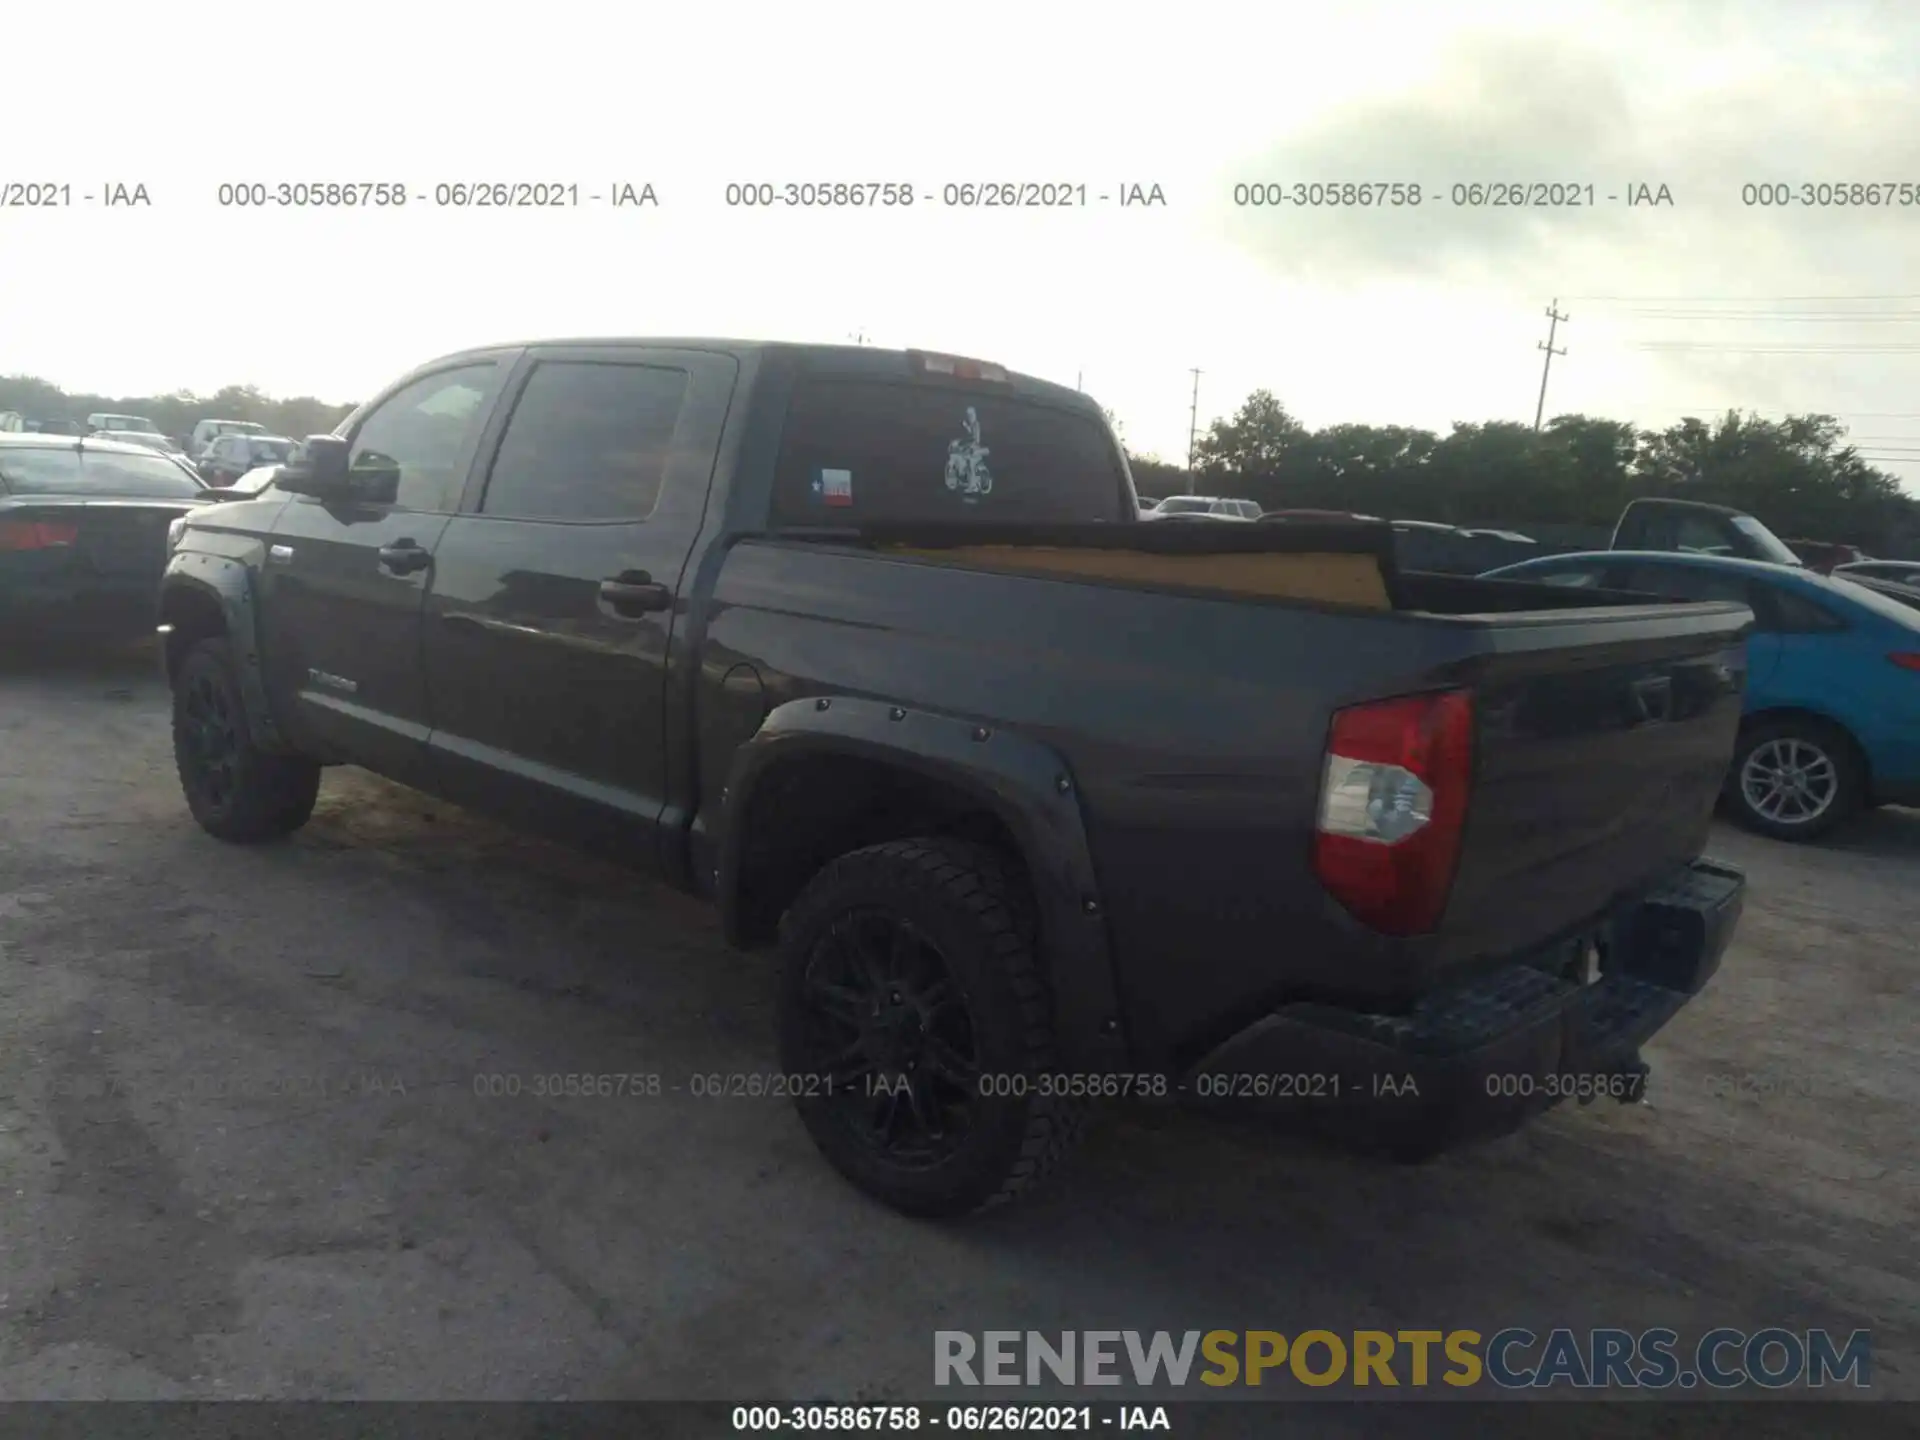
x: 855, y: 772
x: 205, y: 597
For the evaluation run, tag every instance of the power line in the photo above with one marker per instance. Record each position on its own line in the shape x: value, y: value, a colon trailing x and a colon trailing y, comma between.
x: 1554, y: 317
x: 1704, y: 346
x: 1901, y: 317
x: 1729, y: 299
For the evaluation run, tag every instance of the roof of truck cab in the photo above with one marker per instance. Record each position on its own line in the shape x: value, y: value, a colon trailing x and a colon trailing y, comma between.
x: 855, y: 360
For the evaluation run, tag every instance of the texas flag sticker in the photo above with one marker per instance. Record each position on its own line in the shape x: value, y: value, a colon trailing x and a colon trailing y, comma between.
x: 835, y: 487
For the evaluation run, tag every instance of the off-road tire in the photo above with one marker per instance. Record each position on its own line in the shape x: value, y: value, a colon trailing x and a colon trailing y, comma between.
x: 967, y: 899
x: 269, y: 796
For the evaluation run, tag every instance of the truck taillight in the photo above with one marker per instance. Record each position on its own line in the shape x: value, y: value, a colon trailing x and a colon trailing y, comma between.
x: 36, y: 535
x: 1905, y: 659
x: 1393, y: 804
x: 957, y: 367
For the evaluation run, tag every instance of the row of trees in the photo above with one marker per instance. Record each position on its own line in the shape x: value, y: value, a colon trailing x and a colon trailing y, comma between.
x: 176, y: 413
x: 1799, y: 475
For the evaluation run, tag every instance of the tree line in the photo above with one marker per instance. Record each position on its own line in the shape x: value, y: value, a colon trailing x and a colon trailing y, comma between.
x: 1800, y: 476
x: 176, y: 413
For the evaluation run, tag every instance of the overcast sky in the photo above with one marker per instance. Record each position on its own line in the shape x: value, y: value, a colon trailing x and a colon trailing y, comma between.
x: 1387, y: 315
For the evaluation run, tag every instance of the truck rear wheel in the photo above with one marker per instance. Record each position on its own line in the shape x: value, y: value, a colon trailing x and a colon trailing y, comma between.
x: 236, y: 791
x: 1794, y: 779
x: 917, y: 1029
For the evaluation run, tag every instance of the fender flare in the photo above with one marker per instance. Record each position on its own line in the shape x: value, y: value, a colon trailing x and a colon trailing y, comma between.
x: 1024, y: 782
x: 229, y: 584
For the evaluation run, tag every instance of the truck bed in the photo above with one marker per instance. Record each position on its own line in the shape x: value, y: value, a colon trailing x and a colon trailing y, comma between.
x: 1192, y: 706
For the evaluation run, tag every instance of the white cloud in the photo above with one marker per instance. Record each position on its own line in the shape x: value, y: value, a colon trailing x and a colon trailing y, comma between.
x: 1418, y: 318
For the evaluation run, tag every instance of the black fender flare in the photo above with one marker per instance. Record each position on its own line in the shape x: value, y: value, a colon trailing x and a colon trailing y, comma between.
x: 229, y: 584
x: 1024, y: 782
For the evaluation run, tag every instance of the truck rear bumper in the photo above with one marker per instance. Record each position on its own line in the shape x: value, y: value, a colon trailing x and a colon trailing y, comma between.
x: 1481, y: 1059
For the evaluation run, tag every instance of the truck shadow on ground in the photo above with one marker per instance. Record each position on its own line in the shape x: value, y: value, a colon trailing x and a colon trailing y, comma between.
x: 1165, y: 1212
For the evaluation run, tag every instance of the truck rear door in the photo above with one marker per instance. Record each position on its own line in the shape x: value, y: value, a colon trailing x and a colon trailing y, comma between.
x: 555, y: 590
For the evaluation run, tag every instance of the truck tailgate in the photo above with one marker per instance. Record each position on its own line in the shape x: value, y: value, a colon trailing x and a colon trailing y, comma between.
x: 1602, y: 739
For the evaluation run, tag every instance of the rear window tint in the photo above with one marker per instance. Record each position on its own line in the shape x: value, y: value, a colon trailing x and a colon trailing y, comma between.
x: 70, y: 471
x: 862, y: 450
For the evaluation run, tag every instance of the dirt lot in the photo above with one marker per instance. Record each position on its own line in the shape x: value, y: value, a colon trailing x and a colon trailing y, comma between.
x: 292, y: 1188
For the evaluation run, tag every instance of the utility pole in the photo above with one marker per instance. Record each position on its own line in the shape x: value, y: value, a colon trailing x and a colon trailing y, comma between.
x: 859, y: 337
x: 1554, y: 317
x: 1193, y: 427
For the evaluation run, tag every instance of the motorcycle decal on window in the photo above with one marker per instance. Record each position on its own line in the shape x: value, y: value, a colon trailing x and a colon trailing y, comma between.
x: 967, y: 470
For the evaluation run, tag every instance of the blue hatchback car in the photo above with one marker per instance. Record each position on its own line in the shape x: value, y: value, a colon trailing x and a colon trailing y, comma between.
x: 1832, y: 721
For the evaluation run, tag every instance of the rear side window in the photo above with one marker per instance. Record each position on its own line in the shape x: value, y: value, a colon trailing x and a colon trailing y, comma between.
x: 1580, y: 577
x: 1685, y: 582
x: 587, y: 441
x: 1792, y: 613
x: 71, y: 471
x: 862, y: 450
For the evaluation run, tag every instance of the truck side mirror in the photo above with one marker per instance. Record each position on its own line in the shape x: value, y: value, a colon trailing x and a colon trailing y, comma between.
x: 317, y: 467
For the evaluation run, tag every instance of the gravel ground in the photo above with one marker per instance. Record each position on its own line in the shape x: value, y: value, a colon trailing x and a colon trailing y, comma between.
x: 291, y: 1188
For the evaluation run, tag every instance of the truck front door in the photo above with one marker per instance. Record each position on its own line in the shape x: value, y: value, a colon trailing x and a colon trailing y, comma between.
x: 343, y: 582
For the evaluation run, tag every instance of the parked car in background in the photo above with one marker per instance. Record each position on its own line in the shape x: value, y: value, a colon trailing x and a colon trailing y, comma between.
x: 1217, y: 507
x: 83, y: 534
x: 231, y: 456
x: 205, y: 432
x: 146, y: 439
x: 12, y: 422
x: 1892, y: 589
x: 1824, y: 555
x: 1831, y: 719
x: 1695, y: 528
x: 102, y: 421
x: 1299, y: 515
x: 1902, y: 572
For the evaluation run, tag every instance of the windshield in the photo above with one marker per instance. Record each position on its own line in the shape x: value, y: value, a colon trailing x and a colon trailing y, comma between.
x: 270, y: 452
x: 1184, y: 505
x: 237, y: 427
x: 1772, y: 547
x: 129, y: 422
x: 73, y: 471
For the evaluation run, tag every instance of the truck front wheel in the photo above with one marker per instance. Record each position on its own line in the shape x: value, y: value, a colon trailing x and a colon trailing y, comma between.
x: 916, y: 1030
x: 236, y: 791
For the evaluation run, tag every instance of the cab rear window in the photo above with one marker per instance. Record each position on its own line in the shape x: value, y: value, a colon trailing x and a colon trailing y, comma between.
x: 863, y: 450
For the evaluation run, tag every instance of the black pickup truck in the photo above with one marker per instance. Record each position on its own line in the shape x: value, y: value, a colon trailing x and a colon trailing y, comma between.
x: 1039, y: 804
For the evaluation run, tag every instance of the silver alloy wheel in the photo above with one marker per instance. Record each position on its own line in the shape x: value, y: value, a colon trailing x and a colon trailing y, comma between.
x: 1790, y: 781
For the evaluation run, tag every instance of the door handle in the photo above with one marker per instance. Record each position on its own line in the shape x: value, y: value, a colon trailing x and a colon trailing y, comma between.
x: 404, y: 557
x: 634, y: 593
